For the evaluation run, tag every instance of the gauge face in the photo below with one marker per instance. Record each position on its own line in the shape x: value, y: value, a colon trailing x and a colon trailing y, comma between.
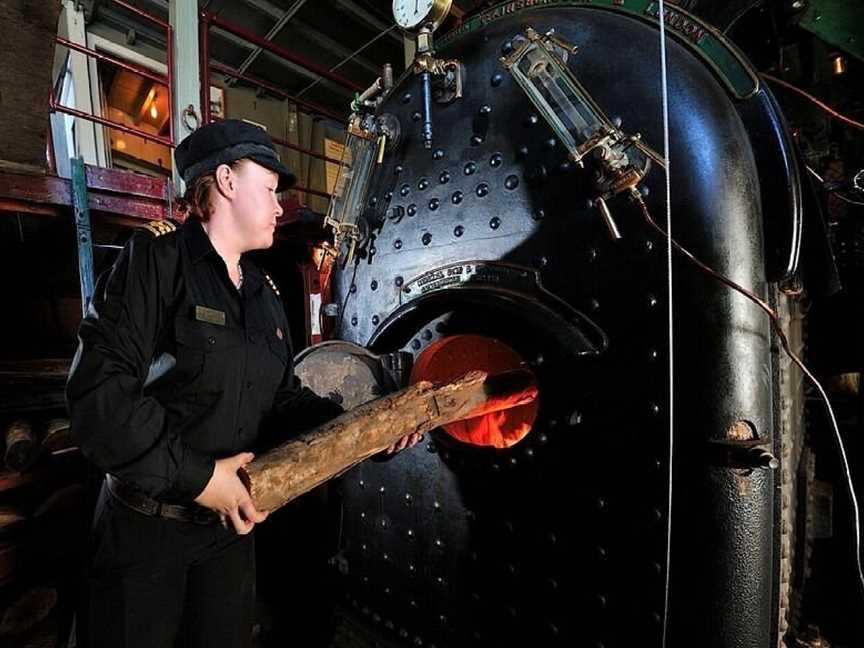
x: 410, y: 14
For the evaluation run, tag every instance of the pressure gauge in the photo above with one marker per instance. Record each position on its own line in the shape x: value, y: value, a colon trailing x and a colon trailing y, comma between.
x: 413, y: 15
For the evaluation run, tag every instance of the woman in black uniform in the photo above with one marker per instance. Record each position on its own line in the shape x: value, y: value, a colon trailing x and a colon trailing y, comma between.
x: 185, y: 365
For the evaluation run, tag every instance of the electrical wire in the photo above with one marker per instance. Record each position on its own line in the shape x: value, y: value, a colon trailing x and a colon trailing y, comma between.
x: 346, y: 59
x: 825, y: 107
x: 778, y: 329
x: 834, y: 192
x: 669, y: 301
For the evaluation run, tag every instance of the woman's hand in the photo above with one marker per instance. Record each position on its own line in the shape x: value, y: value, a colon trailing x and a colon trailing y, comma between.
x: 227, y: 495
x: 405, y: 442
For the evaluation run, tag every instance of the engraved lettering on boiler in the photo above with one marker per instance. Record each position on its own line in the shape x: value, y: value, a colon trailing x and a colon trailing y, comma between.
x: 475, y: 274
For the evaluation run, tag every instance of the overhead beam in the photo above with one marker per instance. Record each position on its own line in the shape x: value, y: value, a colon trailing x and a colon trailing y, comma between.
x: 284, y: 53
x: 281, y: 21
x: 288, y: 65
x: 335, y: 47
x: 366, y: 17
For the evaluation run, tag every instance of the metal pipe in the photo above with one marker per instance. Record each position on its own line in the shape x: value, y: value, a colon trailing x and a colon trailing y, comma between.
x: 284, y: 53
x: 111, y: 59
x: 143, y: 14
x: 107, y: 122
x: 224, y: 69
x: 300, y: 149
x: 426, y: 79
x: 280, y: 23
x: 346, y: 59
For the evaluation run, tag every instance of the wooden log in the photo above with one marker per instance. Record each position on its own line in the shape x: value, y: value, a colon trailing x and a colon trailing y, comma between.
x: 298, y: 466
x: 20, y: 445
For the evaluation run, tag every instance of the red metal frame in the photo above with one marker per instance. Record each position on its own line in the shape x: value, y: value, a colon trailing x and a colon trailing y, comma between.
x: 129, y: 197
x: 312, y: 106
x: 168, y: 80
x: 288, y: 55
x: 304, y: 151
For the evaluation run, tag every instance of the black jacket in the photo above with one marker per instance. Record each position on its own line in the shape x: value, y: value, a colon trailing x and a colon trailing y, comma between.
x: 176, y: 367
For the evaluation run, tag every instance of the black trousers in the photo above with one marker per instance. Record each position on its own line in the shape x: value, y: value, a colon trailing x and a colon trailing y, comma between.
x: 156, y: 583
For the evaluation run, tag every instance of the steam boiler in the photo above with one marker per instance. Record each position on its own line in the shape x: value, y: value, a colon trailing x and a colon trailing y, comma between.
x: 649, y: 496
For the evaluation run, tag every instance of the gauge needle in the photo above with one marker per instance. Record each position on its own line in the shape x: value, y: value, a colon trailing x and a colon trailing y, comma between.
x: 416, y: 9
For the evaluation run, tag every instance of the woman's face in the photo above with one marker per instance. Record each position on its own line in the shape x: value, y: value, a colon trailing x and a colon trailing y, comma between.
x: 255, y: 204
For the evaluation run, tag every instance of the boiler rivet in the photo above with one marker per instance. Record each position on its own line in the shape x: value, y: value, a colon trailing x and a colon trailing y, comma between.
x: 511, y: 182
x: 456, y: 198
x: 427, y: 238
x: 470, y: 168
x: 495, y: 223
x: 458, y: 231
x: 397, y: 244
x: 437, y: 154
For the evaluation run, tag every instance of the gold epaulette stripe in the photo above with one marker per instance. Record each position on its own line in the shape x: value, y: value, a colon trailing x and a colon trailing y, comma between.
x: 272, y: 284
x: 160, y: 227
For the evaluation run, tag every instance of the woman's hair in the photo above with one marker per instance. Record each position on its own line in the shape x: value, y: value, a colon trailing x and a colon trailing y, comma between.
x: 196, y: 201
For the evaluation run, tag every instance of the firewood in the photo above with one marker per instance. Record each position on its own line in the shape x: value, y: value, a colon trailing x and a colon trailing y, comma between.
x: 298, y: 466
x: 20, y: 445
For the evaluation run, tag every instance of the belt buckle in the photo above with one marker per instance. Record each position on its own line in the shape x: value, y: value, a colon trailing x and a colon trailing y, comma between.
x: 202, y: 515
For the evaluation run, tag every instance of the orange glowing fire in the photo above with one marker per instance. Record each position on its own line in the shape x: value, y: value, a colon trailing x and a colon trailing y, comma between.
x: 499, y: 423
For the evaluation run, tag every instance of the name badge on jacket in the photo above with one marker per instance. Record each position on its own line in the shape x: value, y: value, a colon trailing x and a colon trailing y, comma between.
x: 210, y: 315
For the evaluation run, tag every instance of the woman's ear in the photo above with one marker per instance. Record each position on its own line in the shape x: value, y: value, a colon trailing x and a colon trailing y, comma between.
x: 225, y: 180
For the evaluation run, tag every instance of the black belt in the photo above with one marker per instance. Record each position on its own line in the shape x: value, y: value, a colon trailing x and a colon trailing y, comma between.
x: 137, y: 501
